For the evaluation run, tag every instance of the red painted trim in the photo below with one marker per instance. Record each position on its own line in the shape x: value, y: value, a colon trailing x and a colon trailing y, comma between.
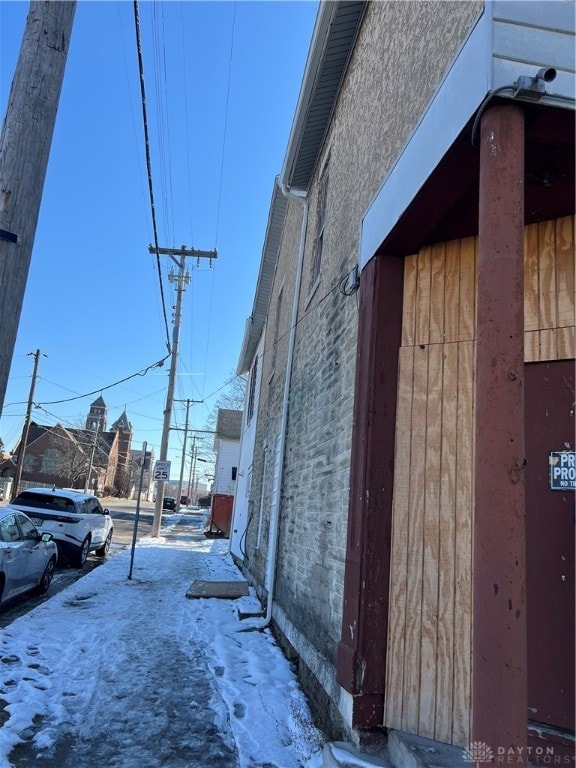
x: 361, y: 662
x: 499, y: 689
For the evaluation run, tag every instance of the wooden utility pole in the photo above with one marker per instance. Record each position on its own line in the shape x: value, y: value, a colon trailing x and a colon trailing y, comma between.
x: 24, y: 150
x: 179, y: 495
x: 91, y: 461
x: 192, y: 468
x: 24, y: 438
x: 181, y: 280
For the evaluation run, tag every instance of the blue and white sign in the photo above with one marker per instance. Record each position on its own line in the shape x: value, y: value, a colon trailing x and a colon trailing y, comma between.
x: 562, y: 470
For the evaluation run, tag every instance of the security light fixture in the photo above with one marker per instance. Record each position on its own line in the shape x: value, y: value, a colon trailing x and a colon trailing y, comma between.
x: 533, y: 88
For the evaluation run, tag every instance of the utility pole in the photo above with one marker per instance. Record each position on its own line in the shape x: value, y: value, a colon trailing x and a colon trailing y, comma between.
x: 91, y: 462
x: 178, y: 256
x: 192, y: 467
x: 24, y: 150
x: 188, y: 403
x: 24, y: 438
x: 179, y: 496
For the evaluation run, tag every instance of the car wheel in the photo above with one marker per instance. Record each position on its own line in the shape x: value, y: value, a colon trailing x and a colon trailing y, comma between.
x: 103, y: 550
x: 82, y: 553
x: 47, y: 577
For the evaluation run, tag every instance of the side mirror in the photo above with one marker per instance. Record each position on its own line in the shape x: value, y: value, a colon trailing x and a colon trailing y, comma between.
x: 46, y: 537
x: 105, y: 511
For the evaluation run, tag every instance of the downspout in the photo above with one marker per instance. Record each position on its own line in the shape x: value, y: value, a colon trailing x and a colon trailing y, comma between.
x: 275, y: 517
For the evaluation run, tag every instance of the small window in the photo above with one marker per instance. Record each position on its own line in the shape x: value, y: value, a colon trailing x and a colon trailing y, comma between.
x: 234, y: 472
x: 9, y: 529
x: 252, y: 391
x: 51, y: 461
x: 28, y: 529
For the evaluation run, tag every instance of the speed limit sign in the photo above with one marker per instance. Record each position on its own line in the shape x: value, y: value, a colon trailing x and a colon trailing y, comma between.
x: 162, y: 470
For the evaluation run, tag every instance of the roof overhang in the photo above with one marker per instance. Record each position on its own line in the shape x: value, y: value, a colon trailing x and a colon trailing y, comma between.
x: 333, y: 38
x: 272, y: 241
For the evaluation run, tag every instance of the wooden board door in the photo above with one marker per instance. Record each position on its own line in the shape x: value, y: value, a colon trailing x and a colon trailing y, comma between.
x: 549, y: 546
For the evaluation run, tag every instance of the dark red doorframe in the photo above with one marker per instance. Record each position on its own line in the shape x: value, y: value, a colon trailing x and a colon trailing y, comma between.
x: 361, y: 662
x: 499, y: 665
x: 550, y: 546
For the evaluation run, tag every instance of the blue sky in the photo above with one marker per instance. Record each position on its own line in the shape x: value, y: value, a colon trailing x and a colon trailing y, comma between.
x: 222, y: 82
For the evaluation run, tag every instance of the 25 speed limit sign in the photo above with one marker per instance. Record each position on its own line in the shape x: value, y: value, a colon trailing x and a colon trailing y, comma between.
x: 162, y: 470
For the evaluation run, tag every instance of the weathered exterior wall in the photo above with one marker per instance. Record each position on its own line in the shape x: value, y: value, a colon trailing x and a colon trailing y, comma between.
x: 549, y: 291
x: 428, y: 686
x: 243, y: 502
x: 385, y: 92
x: 228, y: 456
x: 273, y: 369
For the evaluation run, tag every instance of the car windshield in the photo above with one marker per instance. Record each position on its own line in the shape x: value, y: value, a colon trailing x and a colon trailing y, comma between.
x: 44, y: 501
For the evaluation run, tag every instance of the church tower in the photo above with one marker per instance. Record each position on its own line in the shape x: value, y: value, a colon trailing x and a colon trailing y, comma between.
x: 124, y: 430
x: 96, y: 419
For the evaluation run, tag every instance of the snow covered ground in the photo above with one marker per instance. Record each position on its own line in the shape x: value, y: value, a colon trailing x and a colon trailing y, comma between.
x: 132, y: 674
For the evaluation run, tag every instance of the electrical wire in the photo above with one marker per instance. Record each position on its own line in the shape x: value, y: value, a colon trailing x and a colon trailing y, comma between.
x: 142, y: 372
x: 225, y: 123
x: 483, y: 106
x: 149, y: 167
x: 188, y: 122
x: 339, y: 286
x: 161, y: 86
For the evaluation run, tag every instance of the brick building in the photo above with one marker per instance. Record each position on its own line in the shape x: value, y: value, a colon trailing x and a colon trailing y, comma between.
x: 62, y: 456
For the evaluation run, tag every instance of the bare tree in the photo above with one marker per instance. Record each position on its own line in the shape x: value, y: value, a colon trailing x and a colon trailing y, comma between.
x: 69, y: 458
x: 232, y: 398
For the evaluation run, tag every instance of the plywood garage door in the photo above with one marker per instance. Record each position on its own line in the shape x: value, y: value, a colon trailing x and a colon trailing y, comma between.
x: 428, y: 680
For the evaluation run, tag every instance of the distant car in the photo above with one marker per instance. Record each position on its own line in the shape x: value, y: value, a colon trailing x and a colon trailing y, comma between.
x: 184, y: 500
x: 27, y: 557
x: 76, y: 520
x: 169, y: 502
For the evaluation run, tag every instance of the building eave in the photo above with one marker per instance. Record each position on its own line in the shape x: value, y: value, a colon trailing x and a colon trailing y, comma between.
x: 333, y: 40
x: 272, y: 241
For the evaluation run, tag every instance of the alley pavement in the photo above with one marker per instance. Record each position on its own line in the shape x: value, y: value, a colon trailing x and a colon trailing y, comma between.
x: 152, y: 694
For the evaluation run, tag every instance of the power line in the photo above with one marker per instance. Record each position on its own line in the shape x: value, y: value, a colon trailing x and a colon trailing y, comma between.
x: 149, y: 166
x: 225, y: 122
x: 143, y: 372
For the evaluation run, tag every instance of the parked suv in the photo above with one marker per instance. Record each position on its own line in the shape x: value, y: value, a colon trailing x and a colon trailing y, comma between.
x: 76, y: 520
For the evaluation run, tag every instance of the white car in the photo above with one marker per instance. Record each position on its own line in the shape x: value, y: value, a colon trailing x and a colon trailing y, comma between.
x: 76, y: 520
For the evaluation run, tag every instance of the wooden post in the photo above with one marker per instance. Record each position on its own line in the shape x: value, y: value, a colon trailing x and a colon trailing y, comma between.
x: 361, y: 662
x: 499, y: 684
x: 24, y: 151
